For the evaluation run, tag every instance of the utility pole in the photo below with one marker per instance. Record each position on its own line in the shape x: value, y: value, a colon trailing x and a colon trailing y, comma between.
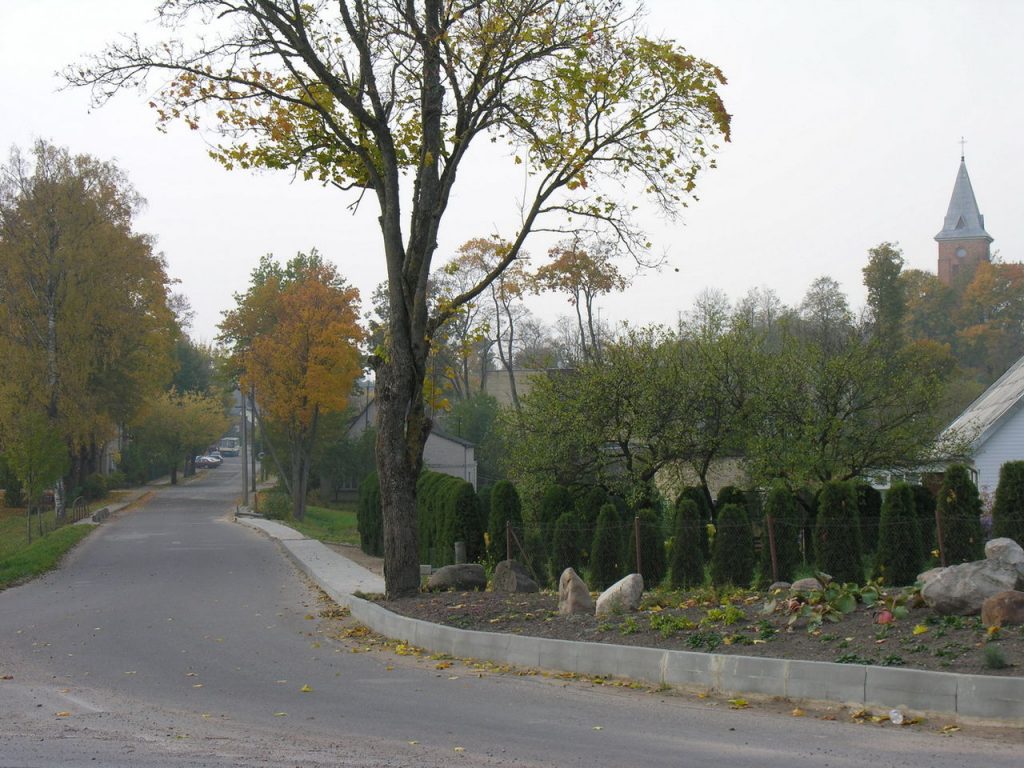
x: 245, y: 453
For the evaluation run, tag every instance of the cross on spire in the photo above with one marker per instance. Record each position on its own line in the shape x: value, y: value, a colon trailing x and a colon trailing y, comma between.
x: 962, y: 142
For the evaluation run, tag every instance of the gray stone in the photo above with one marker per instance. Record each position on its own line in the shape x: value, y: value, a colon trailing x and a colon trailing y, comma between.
x: 1003, y: 608
x: 462, y: 577
x: 512, y: 576
x: 962, y: 589
x: 783, y: 586
x: 623, y: 595
x: 805, y: 585
x: 573, y: 595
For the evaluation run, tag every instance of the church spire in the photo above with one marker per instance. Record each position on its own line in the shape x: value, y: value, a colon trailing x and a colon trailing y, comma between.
x: 963, y: 241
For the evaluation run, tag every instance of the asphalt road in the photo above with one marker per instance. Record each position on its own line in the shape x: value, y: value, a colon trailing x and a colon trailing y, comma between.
x: 172, y: 636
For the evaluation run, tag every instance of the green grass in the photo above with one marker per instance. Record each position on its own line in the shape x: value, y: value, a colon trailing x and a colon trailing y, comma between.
x: 336, y: 526
x: 20, y: 560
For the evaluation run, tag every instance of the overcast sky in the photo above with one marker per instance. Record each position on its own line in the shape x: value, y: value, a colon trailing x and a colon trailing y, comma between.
x: 847, y: 118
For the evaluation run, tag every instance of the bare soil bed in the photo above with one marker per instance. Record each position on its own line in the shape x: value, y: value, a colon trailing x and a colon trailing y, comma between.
x: 708, y: 622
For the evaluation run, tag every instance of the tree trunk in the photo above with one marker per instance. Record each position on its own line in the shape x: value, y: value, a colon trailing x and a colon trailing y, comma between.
x: 299, y: 472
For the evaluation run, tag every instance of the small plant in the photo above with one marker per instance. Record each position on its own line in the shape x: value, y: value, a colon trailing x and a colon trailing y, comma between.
x: 893, y: 660
x: 710, y: 640
x: 668, y: 625
x: 994, y: 657
x: 852, y: 658
x: 629, y: 627
x: 765, y: 630
x: 727, y: 615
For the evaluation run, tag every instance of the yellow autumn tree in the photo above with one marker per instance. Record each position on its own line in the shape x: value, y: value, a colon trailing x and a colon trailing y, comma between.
x: 294, y: 339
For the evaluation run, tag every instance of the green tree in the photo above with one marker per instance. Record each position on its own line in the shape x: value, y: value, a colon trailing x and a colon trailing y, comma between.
x: 172, y: 428
x: 958, y: 509
x: 704, y: 507
x: 732, y: 555
x: 899, y: 538
x: 689, y: 534
x: 1008, y: 510
x: 869, y: 511
x: 392, y: 99
x: 37, y: 455
x: 837, y: 547
x: 887, y: 304
x: 606, y: 549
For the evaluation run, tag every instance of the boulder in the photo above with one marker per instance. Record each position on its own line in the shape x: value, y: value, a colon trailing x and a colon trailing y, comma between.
x: 512, y: 576
x: 623, y: 595
x: 961, y: 589
x: 460, y: 578
x: 805, y: 585
x: 1003, y: 608
x: 779, y: 586
x: 573, y: 595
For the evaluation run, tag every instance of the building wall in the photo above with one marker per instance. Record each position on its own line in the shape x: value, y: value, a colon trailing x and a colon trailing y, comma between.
x: 1005, y: 444
x: 450, y: 457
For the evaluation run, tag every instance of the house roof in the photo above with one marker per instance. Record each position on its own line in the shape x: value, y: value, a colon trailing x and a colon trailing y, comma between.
x: 963, y: 219
x: 982, y: 417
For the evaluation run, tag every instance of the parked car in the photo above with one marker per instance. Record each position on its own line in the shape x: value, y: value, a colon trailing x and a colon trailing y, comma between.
x: 207, y: 462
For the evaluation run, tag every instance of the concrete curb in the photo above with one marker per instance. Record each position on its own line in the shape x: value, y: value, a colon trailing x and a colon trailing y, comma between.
x: 969, y: 698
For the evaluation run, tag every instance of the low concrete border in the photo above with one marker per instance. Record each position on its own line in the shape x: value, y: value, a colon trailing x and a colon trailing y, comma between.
x: 969, y: 698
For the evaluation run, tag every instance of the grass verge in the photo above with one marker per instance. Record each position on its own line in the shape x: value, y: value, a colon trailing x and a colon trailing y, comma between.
x: 41, y: 555
x: 333, y: 526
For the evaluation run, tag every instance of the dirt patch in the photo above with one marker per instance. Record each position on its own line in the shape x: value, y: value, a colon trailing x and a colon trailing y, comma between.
x: 738, y: 624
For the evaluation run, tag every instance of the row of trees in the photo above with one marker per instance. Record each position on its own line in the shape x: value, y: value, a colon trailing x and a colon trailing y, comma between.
x: 91, y: 336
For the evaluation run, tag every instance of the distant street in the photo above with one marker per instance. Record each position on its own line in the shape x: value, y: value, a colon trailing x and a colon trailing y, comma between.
x: 174, y: 637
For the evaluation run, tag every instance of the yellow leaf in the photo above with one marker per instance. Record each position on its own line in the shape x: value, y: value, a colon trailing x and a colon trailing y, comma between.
x: 414, y: 743
x: 738, y: 703
x: 798, y: 712
x: 460, y: 749
x: 280, y: 714
x: 198, y: 685
x: 598, y: 728
x: 63, y: 714
x: 305, y: 688
x: 920, y: 629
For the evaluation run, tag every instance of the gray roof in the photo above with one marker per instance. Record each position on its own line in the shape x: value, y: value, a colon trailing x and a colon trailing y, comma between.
x: 983, y: 416
x: 963, y: 219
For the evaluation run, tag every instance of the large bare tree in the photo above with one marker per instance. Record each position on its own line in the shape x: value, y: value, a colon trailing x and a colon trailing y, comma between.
x: 390, y: 96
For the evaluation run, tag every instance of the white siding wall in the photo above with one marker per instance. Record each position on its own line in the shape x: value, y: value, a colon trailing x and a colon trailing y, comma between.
x: 1005, y: 444
x: 450, y: 457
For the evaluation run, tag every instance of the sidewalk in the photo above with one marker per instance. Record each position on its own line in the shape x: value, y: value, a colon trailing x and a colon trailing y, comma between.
x: 969, y: 698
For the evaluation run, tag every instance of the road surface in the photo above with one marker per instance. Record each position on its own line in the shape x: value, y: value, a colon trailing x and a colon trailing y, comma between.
x: 172, y: 636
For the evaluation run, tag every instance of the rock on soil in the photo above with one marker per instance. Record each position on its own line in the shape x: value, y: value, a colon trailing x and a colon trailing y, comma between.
x: 623, y: 595
x: 512, y: 576
x: 464, y: 576
x: 573, y: 595
x: 961, y: 589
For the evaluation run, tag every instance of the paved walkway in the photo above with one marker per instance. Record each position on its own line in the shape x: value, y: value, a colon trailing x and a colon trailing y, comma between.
x: 338, y: 576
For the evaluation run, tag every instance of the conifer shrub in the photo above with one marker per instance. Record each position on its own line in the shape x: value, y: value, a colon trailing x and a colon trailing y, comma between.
x: 469, y: 522
x: 924, y: 510
x: 688, y: 545
x: 565, y: 545
x: 1008, y: 510
x: 869, y: 507
x: 899, y: 539
x: 606, y: 549
x: 781, y: 508
x: 705, y: 510
x: 505, y: 508
x: 652, y: 548
x: 958, y: 508
x: 837, y: 547
x: 589, y: 503
x: 730, y: 494
x: 369, y: 520
x: 555, y: 501
x: 732, y: 556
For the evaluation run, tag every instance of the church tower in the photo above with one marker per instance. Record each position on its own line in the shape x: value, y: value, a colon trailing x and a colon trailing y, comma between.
x: 963, y: 241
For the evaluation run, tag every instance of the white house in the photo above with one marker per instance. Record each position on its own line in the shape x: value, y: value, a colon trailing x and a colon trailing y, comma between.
x: 993, y: 425
x: 443, y: 453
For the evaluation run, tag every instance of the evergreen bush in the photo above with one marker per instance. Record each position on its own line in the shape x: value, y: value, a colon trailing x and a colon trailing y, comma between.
x: 899, y: 538
x: 11, y: 485
x: 589, y: 503
x: 652, y: 548
x: 705, y: 511
x: 924, y: 510
x: 606, y: 549
x: 729, y: 494
x: 869, y: 508
x: 505, y: 508
x: 688, y: 545
x: 369, y: 519
x: 782, y: 509
x: 732, y: 556
x: 958, y: 508
x: 565, y: 544
x: 1008, y: 510
x: 555, y: 501
x: 837, y: 547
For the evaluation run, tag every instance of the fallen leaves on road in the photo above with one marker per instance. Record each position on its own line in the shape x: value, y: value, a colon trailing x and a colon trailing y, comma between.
x: 306, y: 689
x: 738, y: 703
x: 63, y: 714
